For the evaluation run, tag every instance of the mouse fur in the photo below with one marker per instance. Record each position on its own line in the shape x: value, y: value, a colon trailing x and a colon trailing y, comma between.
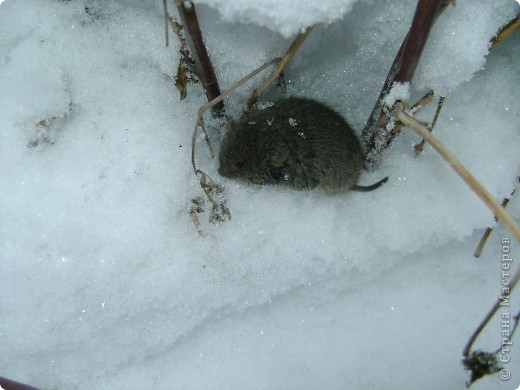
x: 297, y: 142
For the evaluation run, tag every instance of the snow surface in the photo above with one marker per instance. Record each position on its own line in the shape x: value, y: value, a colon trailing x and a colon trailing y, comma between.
x: 287, y: 17
x: 105, y: 281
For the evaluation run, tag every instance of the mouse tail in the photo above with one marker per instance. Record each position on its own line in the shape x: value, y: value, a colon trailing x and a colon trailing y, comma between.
x: 370, y: 188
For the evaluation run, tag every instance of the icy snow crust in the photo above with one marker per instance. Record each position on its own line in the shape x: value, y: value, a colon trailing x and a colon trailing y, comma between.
x: 102, y: 267
x: 285, y: 17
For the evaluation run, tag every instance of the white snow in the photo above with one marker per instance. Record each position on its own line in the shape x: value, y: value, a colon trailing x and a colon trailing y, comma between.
x: 399, y: 91
x: 105, y: 282
x: 460, y: 42
x: 286, y: 17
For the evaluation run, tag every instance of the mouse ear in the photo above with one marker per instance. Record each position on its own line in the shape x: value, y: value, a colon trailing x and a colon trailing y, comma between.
x: 279, y: 154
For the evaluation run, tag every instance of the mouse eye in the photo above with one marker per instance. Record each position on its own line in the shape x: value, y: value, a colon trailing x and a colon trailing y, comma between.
x: 240, y: 163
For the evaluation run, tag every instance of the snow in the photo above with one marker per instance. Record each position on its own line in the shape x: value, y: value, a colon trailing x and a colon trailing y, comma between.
x: 105, y: 281
x: 399, y: 91
x: 457, y: 51
x: 286, y: 17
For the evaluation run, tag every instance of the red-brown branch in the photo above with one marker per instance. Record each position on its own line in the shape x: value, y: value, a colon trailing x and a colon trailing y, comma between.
x: 8, y: 384
x: 375, y: 134
x: 202, y: 65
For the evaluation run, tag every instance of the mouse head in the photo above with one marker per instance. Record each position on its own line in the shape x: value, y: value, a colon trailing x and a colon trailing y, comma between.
x: 250, y: 154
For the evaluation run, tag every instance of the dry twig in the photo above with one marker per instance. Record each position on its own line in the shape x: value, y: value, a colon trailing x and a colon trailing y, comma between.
x: 202, y: 65
x: 213, y: 190
x: 488, y: 199
x: 480, y: 363
x: 376, y: 135
x: 200, y: 121
x: 185, y: 75
x: 419, y: 104
x: 295, y: 46
x: 166, y: 18
x: 506, y: 31
x: 418, y: 148
x: 488, y: 231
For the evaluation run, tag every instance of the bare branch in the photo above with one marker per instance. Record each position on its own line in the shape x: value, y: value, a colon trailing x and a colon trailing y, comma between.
x: 295, y: 46
x: 375, y: 134
x: 203, y: 67
x: 488, y: 231
x: 12, y: 385
x: 418, y: 148
x: 479, y: 329
x: 480, y: 363
x: 483, y: 240
x: 427, y: 98
x: 199, y: 121
x: 488, y: 199
x: 196, y: 207
x: 214, y: 191
x: 506, y: 31
x: 166, y: 17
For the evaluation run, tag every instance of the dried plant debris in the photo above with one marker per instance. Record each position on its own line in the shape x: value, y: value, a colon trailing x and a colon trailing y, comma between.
x: 219, y: 211
x: 44, y: 131
x: 215, y: 194
x: 196, y: 207
x: 184, y: 77
x: 480, y: 364
x: 185, y: 74
x: 418, y: 148
x: 489, y: 230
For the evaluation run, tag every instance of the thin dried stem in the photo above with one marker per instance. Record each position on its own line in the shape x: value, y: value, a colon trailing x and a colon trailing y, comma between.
x: 166, y: 18
x: 488, y: 199
x: 488, y: 316
x: 200, y: 122
x: 376, y: 135
x: 506, y: 31
x: 177, y: 28
x: 295, y: 46
x: 185, y: 70
x: 427, y: 98
x: 214, y: 192
x: 438, y: 110
x: 482, y: 242
x: 516, y: 319
x: 488, y: 232
x: 203, y: 67
x: 499, y: 211
x: 418, y: 148
x: 196, y: 207
x: 479, y: 329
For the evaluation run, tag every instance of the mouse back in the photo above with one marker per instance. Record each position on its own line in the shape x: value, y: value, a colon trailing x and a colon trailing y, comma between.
x: 296, y: 142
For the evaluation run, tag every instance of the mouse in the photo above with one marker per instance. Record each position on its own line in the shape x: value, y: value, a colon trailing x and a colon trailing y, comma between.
x: 296, y: 142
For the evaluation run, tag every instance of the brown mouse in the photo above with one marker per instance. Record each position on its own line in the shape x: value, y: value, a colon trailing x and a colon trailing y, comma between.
x: 300, y: 143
